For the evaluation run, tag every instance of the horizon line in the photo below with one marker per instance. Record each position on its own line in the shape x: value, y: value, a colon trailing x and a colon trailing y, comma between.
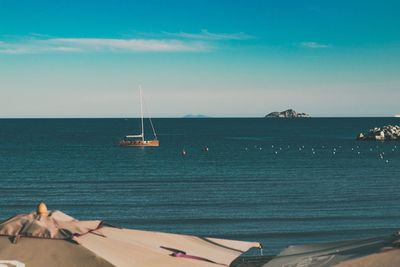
x: 205, y: 117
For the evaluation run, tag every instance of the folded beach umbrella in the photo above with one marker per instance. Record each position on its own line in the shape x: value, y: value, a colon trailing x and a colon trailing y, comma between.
x: 385, y: 258
x: 45, y: 238
x: 372, y: 252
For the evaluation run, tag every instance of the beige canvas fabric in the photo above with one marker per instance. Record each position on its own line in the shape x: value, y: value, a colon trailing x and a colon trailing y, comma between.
x: 56, y: 225
x: 144, y: 248
x: 383, y: 259
x: 57, y: 239
x: 39, y: 252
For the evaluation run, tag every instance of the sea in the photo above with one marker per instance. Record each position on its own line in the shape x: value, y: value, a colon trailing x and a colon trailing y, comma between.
x: 277, y: 181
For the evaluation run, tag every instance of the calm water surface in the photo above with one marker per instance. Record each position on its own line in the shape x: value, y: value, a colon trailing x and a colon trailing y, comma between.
x: 276, y: 181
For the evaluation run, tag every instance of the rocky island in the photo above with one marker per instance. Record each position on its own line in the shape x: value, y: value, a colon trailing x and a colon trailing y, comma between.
x: 290, y: 113
x: 197, y: 116
x: 387, y: 132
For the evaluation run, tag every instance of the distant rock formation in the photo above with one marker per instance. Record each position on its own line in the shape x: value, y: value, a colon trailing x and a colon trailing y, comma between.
x: 290, y: 113
x: 198, y: 116
x: 387, y: 132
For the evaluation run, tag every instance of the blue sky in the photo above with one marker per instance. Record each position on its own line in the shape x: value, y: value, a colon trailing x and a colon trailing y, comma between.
x: 219, y: 58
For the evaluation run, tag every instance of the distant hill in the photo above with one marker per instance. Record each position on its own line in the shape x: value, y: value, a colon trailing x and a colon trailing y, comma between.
x: 290, y: 113
x: 198, y: 116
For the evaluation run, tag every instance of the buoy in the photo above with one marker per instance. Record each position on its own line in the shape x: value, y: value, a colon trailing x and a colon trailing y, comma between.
x: 206, y: 149
x: 183, y: 152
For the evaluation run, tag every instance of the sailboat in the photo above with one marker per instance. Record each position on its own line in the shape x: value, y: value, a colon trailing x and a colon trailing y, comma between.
x: 138, y: 140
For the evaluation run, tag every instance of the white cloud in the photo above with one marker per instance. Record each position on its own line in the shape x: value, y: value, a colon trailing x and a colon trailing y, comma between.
x: 64, y: 49
x: 72, y: 45
x: 166, y: 42
x: 134, y: 45
x: 7, y: 50
x: 206, y: 35
x: 314, y: 45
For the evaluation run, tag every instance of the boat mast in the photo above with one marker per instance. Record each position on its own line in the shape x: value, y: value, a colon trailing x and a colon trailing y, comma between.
x: 141, y: 111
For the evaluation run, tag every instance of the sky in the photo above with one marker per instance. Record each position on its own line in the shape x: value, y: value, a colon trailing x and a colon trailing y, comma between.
x: 220, y: 58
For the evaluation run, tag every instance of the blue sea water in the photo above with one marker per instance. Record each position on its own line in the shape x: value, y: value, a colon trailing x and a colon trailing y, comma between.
x: 277, y: 181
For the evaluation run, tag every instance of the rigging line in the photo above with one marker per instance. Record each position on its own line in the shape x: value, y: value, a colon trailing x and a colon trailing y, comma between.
x: 141, y: 110
x: 151, y: 122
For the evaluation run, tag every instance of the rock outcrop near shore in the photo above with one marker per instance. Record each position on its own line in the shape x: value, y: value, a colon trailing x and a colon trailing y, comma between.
x: 290, y: 113
x: 387, y: 132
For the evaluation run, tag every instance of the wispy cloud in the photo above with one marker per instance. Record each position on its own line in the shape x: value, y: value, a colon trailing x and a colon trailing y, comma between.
x: 314, y: 45
x: 206, y: 35
x: 132, y: 45
x: 166, y: 42
x: 33, y: 45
